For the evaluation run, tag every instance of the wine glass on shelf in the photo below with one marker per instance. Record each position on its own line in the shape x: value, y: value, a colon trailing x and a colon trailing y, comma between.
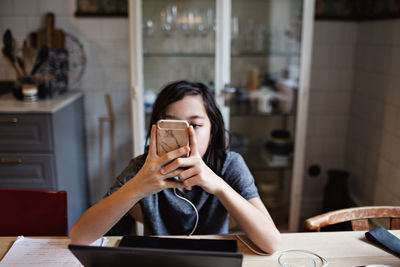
x: 185, y: 23
x: 205, y: 22
x: 149, y: 28
x: 249, y: 35
x: 148, y: 34
x: 235, y: 27
x: 202, y: 27
x: 194, y: 21
x: 260, y: 39
x: 235, y: 35
x: 168, y: 19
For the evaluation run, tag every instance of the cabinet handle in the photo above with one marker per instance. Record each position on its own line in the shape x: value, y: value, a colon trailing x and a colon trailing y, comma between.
x: 11, y: 160
x: 9, y: 120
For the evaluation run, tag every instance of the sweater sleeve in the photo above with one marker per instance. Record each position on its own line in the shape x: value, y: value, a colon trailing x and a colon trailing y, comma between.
x: 128, y: 173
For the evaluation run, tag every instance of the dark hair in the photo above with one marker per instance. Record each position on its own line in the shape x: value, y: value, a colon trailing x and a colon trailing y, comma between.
x: 173, y: 92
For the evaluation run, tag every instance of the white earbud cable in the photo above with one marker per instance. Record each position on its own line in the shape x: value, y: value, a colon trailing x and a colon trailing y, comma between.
x: 322, y: 259
x: 197, y: 213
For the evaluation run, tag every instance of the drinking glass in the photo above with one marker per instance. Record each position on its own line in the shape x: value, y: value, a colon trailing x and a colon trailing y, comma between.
x: 249, y: 35
x: 185, y: 23
x: 149, y: 28
x: 206, y: 22
x: 296, y: 259
x: 168, y: 19
x: 235, y: 35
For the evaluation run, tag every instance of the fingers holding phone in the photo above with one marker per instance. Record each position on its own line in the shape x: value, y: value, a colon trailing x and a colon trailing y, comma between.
x: 172, y: 134
x: 149, y: 178
x: 193, y: 142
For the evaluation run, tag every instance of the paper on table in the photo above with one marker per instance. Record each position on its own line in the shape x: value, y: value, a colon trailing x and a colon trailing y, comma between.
x: 43, y: 252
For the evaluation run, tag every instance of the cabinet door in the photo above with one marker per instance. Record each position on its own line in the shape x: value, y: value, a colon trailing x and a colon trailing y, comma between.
x: 178, y: 44
x: 266, y: 42
x: 28, y: 133
x: 33, y: 171
x: 176, y: 41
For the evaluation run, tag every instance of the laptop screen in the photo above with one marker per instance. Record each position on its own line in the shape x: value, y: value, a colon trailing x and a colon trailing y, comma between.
x: 179, y: 243
x: 151, y: 257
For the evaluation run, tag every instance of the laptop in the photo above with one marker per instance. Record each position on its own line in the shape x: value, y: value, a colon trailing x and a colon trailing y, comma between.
x: 156, y: 251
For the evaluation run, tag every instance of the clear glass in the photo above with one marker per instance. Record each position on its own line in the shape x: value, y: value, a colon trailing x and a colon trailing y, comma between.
x: 296, y: 259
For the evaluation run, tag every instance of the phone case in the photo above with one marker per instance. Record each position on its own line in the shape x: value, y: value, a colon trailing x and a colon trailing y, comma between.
x: 171, y: 134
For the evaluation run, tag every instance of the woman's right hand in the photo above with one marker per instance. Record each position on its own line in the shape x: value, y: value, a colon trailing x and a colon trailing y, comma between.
x: 149, y: 179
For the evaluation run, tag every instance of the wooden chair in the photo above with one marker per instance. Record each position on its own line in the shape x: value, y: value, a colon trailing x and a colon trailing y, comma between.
x: 33, y: 212
x: 357, y: 216
x: 111, y: 120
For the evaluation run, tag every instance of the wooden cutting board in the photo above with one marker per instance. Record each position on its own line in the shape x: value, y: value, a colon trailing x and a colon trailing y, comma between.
x: 53, y: 38
x: 57, y: 64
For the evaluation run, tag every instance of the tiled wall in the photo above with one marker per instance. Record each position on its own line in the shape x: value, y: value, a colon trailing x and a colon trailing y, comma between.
x: 373, y: 148
x: 333, y: 61
x: 354, y: 111
x: 106, y: 46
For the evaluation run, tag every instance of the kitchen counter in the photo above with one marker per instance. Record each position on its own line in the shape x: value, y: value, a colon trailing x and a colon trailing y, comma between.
x: 42, y: 147
x: 8, y: 104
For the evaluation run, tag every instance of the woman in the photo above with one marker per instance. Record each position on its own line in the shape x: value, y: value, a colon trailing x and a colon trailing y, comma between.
x: 215, y: 180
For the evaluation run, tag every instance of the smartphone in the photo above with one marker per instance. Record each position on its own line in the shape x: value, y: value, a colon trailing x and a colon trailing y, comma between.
x: 171, y: 135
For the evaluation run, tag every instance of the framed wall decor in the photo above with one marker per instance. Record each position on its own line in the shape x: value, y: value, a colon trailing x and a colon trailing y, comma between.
x: 101, y: 8
x: 357, y: 10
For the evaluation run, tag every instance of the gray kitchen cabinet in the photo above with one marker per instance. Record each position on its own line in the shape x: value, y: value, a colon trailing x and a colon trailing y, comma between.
x: 42, y: 146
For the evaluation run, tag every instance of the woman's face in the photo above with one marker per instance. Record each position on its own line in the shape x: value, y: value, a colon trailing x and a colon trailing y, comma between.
x: 191, y: 109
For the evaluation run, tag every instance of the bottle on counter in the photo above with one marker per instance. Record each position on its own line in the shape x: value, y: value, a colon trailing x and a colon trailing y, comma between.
x: 29, y: 92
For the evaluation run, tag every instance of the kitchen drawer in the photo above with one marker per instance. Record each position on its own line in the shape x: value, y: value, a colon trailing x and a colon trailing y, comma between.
x: 29, y: 171
x: 25, y: 133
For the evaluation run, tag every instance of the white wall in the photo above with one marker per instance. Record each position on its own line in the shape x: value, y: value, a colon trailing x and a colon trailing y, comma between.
x: 106, y: 45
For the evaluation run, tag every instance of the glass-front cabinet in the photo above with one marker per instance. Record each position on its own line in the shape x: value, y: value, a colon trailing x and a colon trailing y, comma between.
x: 253, y: 55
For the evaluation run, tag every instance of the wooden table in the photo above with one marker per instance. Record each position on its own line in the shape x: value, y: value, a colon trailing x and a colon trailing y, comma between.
x: 339, y: 248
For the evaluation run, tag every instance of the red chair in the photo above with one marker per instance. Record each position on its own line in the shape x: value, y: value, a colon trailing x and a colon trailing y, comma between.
x: 33, y: 212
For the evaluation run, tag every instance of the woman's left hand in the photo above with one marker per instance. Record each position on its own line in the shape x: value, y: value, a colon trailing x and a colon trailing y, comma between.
x: 197, y: 172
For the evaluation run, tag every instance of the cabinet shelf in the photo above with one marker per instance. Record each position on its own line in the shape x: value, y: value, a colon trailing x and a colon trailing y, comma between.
x: 247, y: 114
x: 257, y: 160
x: 265, y: 54
x: 167, y: 54
x: 211, y: 55
x: 259, y: 114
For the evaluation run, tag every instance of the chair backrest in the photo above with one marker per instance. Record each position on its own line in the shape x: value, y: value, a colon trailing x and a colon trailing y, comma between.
x: 357, y: 216
x: 33, y: 212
